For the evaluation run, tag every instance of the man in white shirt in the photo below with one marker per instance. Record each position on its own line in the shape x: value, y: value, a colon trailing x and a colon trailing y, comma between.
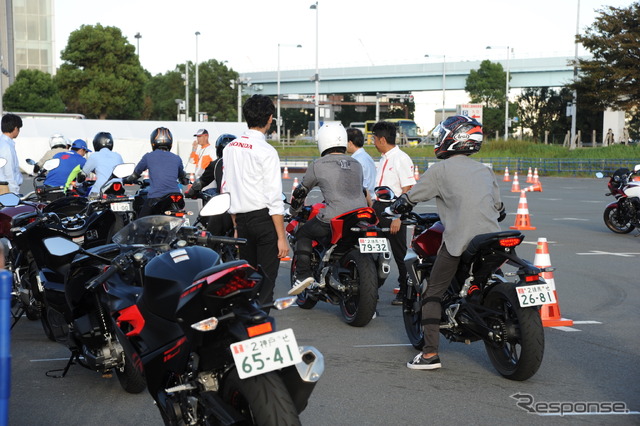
x: 10, y: 172
x: 251, y: 175
x: 395, y: 171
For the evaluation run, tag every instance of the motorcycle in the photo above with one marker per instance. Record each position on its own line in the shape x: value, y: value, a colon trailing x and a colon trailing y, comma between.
x: 45, y: 193
x: 209, y: 351
x: 344, y: 267
x: 171, y: 204
x: 623, y: 215
x: 501, y: 313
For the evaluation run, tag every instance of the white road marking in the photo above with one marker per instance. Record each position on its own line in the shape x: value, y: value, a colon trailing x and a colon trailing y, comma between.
x: 570, y: 329
x: 571, y: 218
x: 606, y: 253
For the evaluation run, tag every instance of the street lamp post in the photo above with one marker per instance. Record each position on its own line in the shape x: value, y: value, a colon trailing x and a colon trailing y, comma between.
x: 279, y: 119
x: 197, y: 81
x: 574, y: 107
x: 138, y: 36
x: 444, y: 81
x: 506, y: 94
x: 186, y: 90
x: 316, y: 77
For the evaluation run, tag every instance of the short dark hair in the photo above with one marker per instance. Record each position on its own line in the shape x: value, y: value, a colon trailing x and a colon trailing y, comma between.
x: 10, y: 122
x: 387, y: 130
x: 355, y: 136
x: 257, y: 110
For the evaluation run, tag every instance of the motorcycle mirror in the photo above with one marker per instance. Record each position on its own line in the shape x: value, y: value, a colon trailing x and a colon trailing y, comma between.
x: 3, y: 161
x: 384, y: 193
x: 218, y: 204
x: 123, y: 170
x: 59, y: 246
x: 599, y: 175
x: 9, y: 200
x: 30, y: 162
x: 51, y: 164
x: 636, y: 168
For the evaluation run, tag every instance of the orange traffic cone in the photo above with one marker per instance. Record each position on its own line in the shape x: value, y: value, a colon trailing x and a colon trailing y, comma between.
x: 536, y: 179
x: 529, y: 176
x: 285, y: 174
x: 536, y: 187
x: 550, y: 313
x: 522, y: 216
x: 506, y: 175
x: 516, y: 185
x: 416, y: 173
x: 286, y: 258
x: 295, y: 183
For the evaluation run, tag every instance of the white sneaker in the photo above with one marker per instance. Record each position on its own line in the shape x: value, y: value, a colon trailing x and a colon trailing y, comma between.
x: 300, y: 286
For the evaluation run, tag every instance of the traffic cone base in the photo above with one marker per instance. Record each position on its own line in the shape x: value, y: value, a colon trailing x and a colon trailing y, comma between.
x: 523, y: 222
x: 550, y: 314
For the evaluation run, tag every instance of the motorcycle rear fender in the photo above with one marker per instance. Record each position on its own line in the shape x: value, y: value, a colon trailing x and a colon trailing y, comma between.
x: 301, y: 378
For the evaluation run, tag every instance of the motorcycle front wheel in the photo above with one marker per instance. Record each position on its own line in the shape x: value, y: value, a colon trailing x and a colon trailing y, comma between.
x: 519, y: 353
x: 261, y: 400
x: 615, y: 221
x: 359, y: 272
x: 412, y: 317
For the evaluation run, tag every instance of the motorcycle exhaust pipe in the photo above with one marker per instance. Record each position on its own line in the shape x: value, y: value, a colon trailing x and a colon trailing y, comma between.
x: 301, y: 378
x: 384, y: 266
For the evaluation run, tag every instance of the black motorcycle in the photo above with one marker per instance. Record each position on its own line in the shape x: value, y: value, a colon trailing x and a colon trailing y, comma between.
x: 209, y: 351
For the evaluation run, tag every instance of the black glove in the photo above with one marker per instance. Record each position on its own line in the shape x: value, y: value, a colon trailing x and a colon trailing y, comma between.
x: 501, y: 213
x: 402, y: 205
x: 184, y: 180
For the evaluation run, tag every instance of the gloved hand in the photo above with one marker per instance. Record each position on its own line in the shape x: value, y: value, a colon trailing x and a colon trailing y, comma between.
x: 501, y: 213
x: 194, y: 190
x: 402, y: 205
x: 184, y: 180
x: 128, y: 180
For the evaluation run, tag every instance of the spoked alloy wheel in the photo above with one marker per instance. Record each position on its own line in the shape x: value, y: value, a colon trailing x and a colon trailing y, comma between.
x: 519, y: 355
x: 358, y: 307
x: 615, y: 221
x: 305, y: 300
x: 412, y: 317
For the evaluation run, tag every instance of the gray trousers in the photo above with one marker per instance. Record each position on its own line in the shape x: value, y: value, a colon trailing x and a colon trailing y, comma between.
x: 444, y: 269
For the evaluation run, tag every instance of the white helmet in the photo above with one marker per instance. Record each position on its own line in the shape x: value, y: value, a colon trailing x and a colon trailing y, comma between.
x: 58, y: 139
x: 331, y: 135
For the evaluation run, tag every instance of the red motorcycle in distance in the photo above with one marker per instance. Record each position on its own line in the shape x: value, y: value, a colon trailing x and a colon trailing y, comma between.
x: 623, y: 215
x: 345, y: 266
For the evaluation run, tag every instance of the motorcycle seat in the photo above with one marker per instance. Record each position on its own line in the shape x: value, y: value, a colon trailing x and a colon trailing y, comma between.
x: 482, y: 241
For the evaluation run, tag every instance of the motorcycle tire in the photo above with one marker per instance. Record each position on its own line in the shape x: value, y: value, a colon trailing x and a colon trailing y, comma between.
x: 520, y: 354
x: 46, y: 326
x: 30, y: 282
x: 412, y: 317
x: 305, y: 299
x: 130, y: 377
x: 358, y: 308
x: 612, y: 220
x: 262, y: 400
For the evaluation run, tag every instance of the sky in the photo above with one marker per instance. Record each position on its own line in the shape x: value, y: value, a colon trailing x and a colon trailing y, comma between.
x: 246, y: 33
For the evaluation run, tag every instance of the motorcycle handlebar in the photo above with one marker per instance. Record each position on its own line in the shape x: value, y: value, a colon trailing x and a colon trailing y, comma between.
x: 28, y: 226
x: 218, y: 239
x: 103, y: 277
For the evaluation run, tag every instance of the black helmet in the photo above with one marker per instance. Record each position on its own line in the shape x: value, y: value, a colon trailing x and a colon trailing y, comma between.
x: 458, y: 135
x: 161, y: 138
x: 102, y: 140
x: 222, y: 141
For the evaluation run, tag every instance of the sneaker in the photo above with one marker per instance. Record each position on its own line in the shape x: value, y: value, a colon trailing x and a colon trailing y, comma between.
x: 421, y: 363
x: 300, y: 286
x: 398, y: 300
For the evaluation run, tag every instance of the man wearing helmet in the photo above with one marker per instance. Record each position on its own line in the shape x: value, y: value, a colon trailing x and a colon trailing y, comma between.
x: 468, y: 200
x: 165, y: 169
x: 102, y: 161
x: 339, y: 177
x: 57, y: 144
x: 71, y: 163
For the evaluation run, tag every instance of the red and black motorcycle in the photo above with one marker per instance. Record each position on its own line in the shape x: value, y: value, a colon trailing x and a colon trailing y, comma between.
x: 623, y: 215
x: 344, y: 266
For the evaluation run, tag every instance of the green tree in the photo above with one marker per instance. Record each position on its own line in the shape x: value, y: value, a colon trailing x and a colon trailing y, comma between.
x: 487, y: 86
x: 162, y: 90
x: 610, y: 77
x: 217, y: 98
x: 33, y: 91
x: 538, y: 109
x: 101, y: 75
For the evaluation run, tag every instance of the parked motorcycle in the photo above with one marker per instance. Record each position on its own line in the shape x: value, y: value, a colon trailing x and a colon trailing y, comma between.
x: 623, y: 215
x: 344, y: 266
x: 210, y: 353
x: 503, y: 314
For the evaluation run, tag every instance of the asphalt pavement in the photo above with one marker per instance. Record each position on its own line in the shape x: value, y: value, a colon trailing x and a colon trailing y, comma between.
x: 590, y: 366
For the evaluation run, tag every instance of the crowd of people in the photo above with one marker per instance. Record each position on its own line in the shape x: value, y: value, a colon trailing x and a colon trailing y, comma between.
x: 248, y: 168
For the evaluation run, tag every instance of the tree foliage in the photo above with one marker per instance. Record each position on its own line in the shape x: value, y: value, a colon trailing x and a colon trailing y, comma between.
x: 487, y: 86
x: 101, y: 74
x: 33, y: 91
x: 610, y: 77
x: 539, y: 108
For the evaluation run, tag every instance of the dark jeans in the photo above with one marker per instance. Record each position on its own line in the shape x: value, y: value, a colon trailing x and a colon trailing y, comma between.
x: 147, y: 207
x: 397, y: 241
x: 310, y: 231
x: 261, y: 247
x: 444, y: 269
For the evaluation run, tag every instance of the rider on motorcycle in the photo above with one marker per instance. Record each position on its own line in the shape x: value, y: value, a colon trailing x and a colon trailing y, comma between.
x: 71, y: 163
x: 339, y: 177
x: 102, y: 161
x: 468, y: 201
x: 165, y: 169
x: 57, y: 143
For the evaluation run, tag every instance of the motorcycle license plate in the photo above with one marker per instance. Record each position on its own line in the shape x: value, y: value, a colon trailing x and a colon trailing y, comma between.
x: 121, y: 207
x: 266, y: 353
x: 535, y: 295
x: 373, y: 245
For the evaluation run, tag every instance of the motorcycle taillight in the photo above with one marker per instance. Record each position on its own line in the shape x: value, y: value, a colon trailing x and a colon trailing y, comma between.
x: 257, y: 330
x: 510, y: 242
x: 236, y: 283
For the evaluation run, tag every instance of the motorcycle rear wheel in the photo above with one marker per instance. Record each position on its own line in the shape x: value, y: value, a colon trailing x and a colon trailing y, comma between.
x: 262, y: 399
x: 305, y: 300
x: 412, y: 317
x: 358, y: 309
x: 612, y: 218
x: 520, y: 354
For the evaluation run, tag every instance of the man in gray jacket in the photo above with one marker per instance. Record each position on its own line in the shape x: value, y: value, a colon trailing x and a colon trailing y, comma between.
x: 468, y: 201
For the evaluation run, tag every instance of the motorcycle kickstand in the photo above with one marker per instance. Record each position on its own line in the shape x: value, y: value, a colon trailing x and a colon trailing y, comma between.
x: 17, y: 317
x: 64, y: 370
